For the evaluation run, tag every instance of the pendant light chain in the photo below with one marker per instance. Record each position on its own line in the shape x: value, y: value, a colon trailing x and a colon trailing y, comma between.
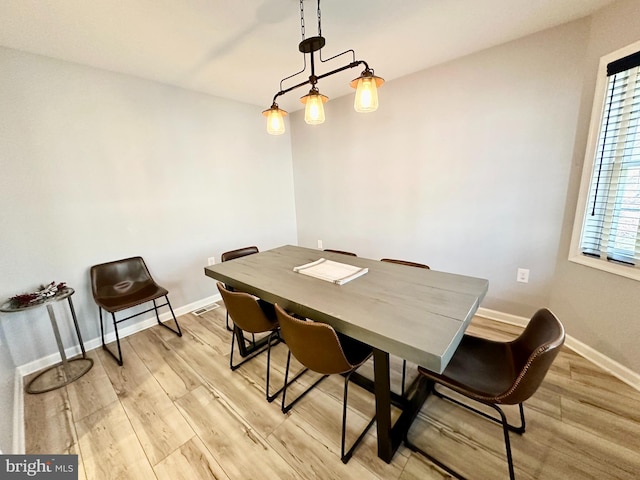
x: 302, y: 25
x: 302, y: 18
x: 319, y: 20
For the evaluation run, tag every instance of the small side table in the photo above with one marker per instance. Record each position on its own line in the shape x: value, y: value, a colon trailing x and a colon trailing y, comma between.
x: 67, y: 371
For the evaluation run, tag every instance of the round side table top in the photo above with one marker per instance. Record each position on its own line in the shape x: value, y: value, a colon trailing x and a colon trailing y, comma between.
x: 61, y: 294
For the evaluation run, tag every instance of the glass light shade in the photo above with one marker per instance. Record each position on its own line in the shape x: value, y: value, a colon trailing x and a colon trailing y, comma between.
x: 366, y: 87
x: 366, y: 95
x: 275, y: 120
x: 314, y: 109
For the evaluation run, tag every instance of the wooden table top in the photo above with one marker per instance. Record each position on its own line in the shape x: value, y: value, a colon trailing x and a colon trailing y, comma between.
x: 417, y: 314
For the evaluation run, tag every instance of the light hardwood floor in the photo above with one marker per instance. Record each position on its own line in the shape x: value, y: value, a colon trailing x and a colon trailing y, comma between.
x: 176, y: 411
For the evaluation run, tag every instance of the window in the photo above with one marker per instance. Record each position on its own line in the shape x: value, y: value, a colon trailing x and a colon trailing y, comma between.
x: 607, y: 228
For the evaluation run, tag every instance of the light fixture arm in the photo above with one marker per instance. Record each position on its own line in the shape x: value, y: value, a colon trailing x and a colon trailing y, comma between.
x: 313, y: 78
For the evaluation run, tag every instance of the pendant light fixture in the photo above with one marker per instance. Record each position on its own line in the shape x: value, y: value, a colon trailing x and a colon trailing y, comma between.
x: 366, y: 85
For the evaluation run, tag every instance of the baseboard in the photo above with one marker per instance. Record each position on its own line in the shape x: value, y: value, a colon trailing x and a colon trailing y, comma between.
x: 18, y: 415
x: 134, y: 327
x: 616, y: 369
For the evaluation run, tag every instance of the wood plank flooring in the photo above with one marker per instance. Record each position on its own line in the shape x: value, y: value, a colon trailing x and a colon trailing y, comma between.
x: 176, y: 411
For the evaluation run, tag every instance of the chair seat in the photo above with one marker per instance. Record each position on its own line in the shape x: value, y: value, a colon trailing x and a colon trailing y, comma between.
x: 481, y: 369
x: 127, y: 294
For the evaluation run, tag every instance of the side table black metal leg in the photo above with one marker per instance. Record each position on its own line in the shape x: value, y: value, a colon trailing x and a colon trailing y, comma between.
x: 75, y: 323
x: 56, y: 333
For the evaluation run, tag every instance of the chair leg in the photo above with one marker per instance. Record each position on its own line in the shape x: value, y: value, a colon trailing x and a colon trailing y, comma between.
x: 346, y: 457
x: 177, y: 331
x: 404, y: 375
x: 228, y: 327
x: 507, y: 442
x: 285, y: 408
x: 248, y: 357
x: 271, y: 398
x: 115, y: 329
x: 519, y: 430
x: 505, y: 429
x: 101, y: 326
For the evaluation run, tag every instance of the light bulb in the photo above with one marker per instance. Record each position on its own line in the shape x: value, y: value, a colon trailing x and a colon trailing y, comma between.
x: 314, y: 109
x: 366, y: 86
x: 366, y: 95
x: 275, y: 120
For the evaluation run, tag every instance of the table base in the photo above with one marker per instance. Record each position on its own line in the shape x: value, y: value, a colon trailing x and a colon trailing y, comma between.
x: 57, y: 376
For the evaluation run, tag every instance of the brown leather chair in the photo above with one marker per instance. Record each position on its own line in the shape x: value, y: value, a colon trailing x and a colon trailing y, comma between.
x: 408, y: 264
x: 342, y: 252
x: 231, y: 255
x: 252, y: 315
x: 405, y: 262
x: 500, y: 373
x: 123, y: 284
x: 318, y: 348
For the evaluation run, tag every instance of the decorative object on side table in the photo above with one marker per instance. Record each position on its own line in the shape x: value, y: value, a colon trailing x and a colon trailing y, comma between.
x: 44, y: 292
x: 67, y: 370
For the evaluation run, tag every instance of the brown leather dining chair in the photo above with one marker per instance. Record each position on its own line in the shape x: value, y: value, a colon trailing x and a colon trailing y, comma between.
x: 252, y: 315
x: 232, y: 255
x: 405, y: 262
x: 500, y: 373
x: 319, y: 348
x: 408, y: 264
x: 123, y: 284
x: 342, y: 252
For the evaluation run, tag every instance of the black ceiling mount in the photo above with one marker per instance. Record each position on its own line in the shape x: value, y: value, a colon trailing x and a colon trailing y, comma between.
x: 312, y: 44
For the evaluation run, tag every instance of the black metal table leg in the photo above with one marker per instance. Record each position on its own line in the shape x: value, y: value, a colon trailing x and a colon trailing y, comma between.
x: 243, y: 349
x: 391, y: 436
x: 382, y: 388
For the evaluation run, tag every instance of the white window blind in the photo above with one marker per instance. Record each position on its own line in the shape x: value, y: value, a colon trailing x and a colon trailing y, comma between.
x: 611, y: 228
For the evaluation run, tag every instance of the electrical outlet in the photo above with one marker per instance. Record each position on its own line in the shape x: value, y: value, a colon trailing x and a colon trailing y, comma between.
x: 523, y: 275
x: 211, y: 261
x: 320, y: 244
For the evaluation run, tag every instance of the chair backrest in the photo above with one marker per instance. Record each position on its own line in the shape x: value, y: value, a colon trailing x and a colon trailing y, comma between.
x: 342, y: 252
x: 245, y: 311
x: 405, y: 262
x: 314, y: 344
x: 119, y: 276
x: 240, y: 252
x: 533, y: 352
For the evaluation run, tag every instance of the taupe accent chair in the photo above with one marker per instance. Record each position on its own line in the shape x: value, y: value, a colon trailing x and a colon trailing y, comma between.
x: 319, y: 348
x: 252, y: 315
x: 231, y: 255
x: 123, y: 284
x: 342, y: 252
x: 500, y: 373
x: 408, y: 264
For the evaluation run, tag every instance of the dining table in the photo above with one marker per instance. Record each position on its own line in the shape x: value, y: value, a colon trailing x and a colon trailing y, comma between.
x: 417, y: 314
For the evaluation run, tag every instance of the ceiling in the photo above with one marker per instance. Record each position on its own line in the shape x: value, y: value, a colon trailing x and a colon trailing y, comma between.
x: 241, y: 49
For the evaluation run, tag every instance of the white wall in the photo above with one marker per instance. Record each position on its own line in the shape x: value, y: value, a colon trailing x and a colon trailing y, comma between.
x: 601, y: 308
x: 97, y: 166
x: 7, y: 378
x: 474, y: 167
x: 464, y: 166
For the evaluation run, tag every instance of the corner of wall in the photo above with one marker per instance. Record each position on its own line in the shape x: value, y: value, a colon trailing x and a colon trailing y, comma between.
x: 18, y: 414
